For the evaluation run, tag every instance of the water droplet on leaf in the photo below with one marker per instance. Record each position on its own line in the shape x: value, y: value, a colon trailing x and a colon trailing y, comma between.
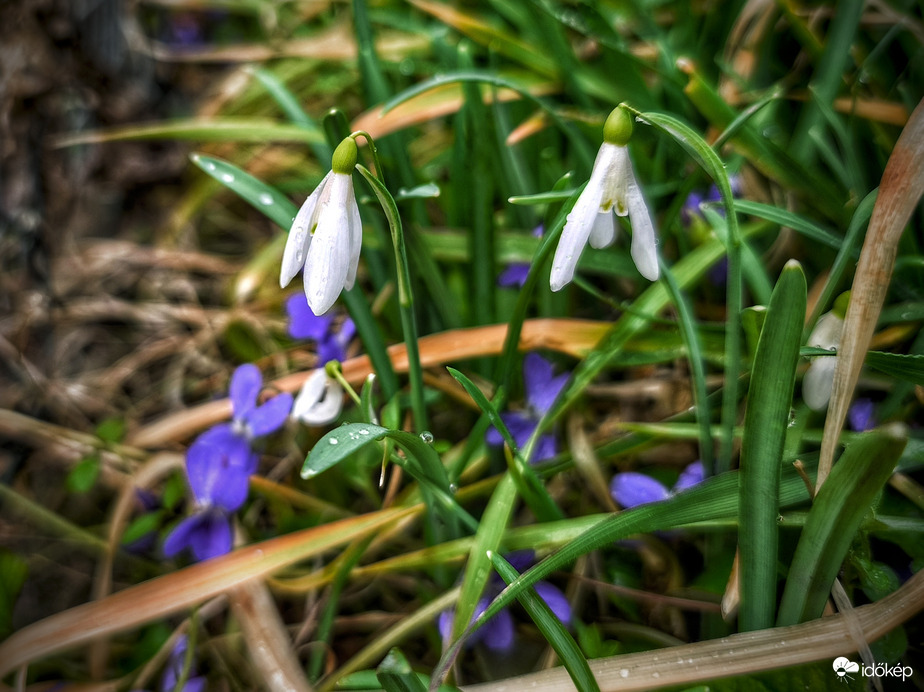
x: 427, y: 437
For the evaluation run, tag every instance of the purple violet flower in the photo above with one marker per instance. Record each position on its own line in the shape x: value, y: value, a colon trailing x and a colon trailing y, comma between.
x: 304, y: 324
x: 631, y: 489
x: 542, y: 388
x: 861, y: 416
x: 498, y: 633
x: 174, y: 670
x: 219, y: 465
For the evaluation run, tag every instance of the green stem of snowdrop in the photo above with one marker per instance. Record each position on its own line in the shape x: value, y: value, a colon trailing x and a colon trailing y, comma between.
x: 405, y: 292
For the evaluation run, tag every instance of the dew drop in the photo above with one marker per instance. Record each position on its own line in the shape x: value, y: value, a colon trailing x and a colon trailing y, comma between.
x: 334, y: 440
x: 427, y: 437
x: 210, y: 165
x: 624, y: 673
x: 266, y: 198
x: 227, y: 177
x: 453, y: 488
x: 792, y: 418
x: 363, y: 432
x: 656, y: 674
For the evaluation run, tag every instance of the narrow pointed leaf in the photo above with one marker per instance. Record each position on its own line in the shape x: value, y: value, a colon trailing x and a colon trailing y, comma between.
x: 839, y: 508
x: 265, y: 198
x: 770, y: 393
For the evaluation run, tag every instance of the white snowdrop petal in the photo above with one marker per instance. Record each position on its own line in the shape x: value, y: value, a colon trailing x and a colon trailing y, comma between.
x: 320, y: 400
x: 644, y: 244
x: 615, y: 169
x: 355, y: 235
x: 827, y: 332
x: 603, y: 231
x: 819, y: 382
x: 296, y: 250
x: 329, y: 254
x: 574, y: 236
x: 311, y: 393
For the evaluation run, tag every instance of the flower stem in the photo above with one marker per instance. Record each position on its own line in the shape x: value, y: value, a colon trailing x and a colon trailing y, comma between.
x: 405, y: 295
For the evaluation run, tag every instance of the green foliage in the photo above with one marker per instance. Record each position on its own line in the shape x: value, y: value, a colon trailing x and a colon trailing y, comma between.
x: 14, y: 570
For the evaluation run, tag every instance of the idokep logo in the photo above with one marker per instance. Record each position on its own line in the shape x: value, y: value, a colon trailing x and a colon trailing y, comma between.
x: 844, y: 667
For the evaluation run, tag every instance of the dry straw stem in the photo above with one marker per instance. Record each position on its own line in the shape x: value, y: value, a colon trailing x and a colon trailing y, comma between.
x: 738, y: 654
x: 175, y: 592
x: 899, y: 192
x: 573, y: 337
x: 267, y: 641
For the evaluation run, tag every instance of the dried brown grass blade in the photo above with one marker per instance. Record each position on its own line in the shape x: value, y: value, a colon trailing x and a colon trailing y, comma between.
x: 573, y: 337
x: 267, y: 642
x: 435, y: 103
x: 738, y: 654
x: 899, y: 192
x: 179, y: 590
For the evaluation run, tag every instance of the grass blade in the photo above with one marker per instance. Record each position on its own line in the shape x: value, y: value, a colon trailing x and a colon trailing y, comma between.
x: 552, y: 629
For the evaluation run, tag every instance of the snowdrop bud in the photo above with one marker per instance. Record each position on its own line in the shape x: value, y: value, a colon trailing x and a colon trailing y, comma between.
x: 344, y: 158
x: 618, y: 127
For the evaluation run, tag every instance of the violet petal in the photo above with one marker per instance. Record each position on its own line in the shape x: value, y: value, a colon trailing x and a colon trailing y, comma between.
x: 180, y: 537
x: 303, y: 323
x: 271, y: 415
x: 555, y: 600
x: 234, y: 446
x: 514, y: 275
x: 497, y: 633
x: 546, y: 448
x: 246, y: 383
x: 214, y: 479
x: 631, y: 489
x: 692, y: 475
x: 542, y: 387
x: 860, y: 415
x: 212, y: 538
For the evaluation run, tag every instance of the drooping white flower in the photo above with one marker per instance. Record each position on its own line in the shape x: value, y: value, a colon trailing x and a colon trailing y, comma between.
x: 819, y: 378
x: 612, y: 189
x: 320, y: 400
x: 326, y: 235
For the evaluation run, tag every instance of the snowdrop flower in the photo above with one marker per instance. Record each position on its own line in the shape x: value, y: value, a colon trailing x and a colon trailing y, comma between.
x: 612, y: 188
x: 819, y: 378
x: 321, y: 398
x: 326, y: 235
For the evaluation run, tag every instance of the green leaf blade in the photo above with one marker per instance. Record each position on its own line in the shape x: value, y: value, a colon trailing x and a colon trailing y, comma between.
x: 766, y: 422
